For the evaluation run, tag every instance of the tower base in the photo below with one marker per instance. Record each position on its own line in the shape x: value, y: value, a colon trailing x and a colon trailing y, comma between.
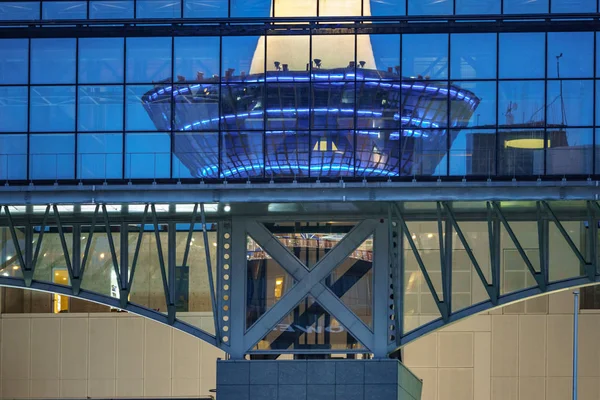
x: 316, y: 380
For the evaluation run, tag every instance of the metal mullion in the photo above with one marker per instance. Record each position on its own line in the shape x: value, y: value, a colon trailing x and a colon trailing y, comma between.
x: 88, y: 244
x: 76, y: 252
x: 537, y: 276
x: 542, y: 226
x: 137, y: 248
x: 565, y: 234
x: 443, y: 249
x: 111, y: 245
x: 592, y: 237
x: 31, y: 268
x: 63, y: 242
x: 27, y: 167
x: 211, y: 284
x: 493, y: 239
x: 440, y: 305
x: 13, y: 234
x: 161, y: 259
x: 489, y: 289
x: 75, y: 150
x: 172, y: 97
x: 171, y: 265
x: 124, y: 265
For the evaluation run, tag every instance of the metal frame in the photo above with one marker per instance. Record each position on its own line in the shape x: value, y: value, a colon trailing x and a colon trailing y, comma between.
x: 390, y: 235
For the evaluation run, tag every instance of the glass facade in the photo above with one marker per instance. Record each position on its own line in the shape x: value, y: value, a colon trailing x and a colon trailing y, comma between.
x: 85, y: 105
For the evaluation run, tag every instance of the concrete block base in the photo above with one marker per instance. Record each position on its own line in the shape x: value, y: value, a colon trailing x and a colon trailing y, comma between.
x: 316, y: 380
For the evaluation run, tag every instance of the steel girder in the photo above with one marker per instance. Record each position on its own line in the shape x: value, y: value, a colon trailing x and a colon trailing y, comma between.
x: 393, y: 241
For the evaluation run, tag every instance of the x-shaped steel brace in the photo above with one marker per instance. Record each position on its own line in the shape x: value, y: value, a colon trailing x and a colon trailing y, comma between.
x: 310, y: 283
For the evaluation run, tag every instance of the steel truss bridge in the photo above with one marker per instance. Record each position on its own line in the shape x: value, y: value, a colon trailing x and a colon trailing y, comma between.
x: 403, y: 224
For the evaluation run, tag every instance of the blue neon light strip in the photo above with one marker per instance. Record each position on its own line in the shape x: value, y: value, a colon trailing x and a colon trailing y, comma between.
x: 211, y: 170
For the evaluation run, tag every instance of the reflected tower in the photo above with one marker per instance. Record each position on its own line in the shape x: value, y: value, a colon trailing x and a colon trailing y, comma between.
x: 318, y: 111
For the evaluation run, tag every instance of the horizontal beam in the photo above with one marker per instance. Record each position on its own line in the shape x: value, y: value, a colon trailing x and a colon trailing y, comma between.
x: 301, y: 192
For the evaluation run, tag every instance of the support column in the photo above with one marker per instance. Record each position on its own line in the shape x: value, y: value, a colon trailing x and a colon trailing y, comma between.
x: 381, y: 290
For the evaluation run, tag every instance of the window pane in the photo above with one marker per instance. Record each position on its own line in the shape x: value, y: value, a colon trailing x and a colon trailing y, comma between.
x: 425, y: 55
x: 331, y: 153
x: 342, y: 57
x: 423, y: 152
x: 386, y: 49
x: 52, y: 156
x: 14, y: 62
x: 148, y: 59
x: 569, y: 151
x: 386, y: 8
x: 521, y: 102
x: 156, y: 116
x: 474, y: 105
x: 13, y: 109
x: 377, y: 153
x: 242, y: 106
x: 53, y: 60
x: 64, y: 10
x: 18, y: 10
x: 287, y: 153
x: 111, y: 9
x: 429, y: 7
x: 13, y: 157
x: 575, y: 52
x: 158, y: 9
x: 196, y: 108
x: 99, y: 156
x: 292, y: 8
x: 250, y: 8
x: 148, y: 155
x: 205, y: 8
x: 101, y: 60
x: 473, y: 55
x: 238, y: 54
x: 473, y: 153
x: 525, y: 6
x: 52, y: 109
x: 333, y: 105
x: 196, y: 155
x: 196, y: 58
x: 521, y: 152
x: 242, y: 155
x: 570, y: 102
x: 522, y: 55
x: 573, y: 6
x: 477, y: 7
x: 100, y: 108
x: 350, y: 8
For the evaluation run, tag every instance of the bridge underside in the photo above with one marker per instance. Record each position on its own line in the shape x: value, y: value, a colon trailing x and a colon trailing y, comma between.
x: 305, y: 278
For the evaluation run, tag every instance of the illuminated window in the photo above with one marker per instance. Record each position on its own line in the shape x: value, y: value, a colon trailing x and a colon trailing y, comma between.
x: 278, y: 286
x: 60, y: 303
x: 323, y: 145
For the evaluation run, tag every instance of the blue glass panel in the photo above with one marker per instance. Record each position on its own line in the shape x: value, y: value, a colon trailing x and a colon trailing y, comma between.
x: 430, y: 7
x: 196, y: 58
x: 100, y: 156
x: 14, y: 62
x: 376, y: 154
x: 521, y: 152
x: 19, y: 10
x: 388, y: 7
x: 148, y: 59
x: 13, y: 109
x: 477, y: 7
x: 423, y: 152
x: 250, y: 8
x: 238, y: 53
x: 480, y: 112
x: 473, y: 153
x: 52, y: 109
x: 575, y: 52
x: 598, y: 105
x: 521, y: 103
x: 100, y: 108
x: 148, y: 155
x: 525, y: 6
x: 53, y: 60
x: 196, y: 155
x: 331, y: 153
x: 425, y: 55
x: 64, y: 10
x: 158, y: 9
x: 156, y: 116
x: 473, y: 55
x: 569, y: 151
x: 573, y: 6
x: 386, y: 50
x: 570, y: 102
x: 205, y: 8
x: 287, y: 154
x: 522, y: 55
x: 101, y: 60
x: 13, y: 156
x: 242, y: 155
x: 111, y: 9
x: 52, y: 156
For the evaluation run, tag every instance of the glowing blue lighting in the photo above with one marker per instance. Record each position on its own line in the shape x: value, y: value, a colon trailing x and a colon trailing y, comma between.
x: 208, y: 172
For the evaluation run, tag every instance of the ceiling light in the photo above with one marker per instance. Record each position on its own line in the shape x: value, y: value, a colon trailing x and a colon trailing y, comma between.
x: 227, y: 208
